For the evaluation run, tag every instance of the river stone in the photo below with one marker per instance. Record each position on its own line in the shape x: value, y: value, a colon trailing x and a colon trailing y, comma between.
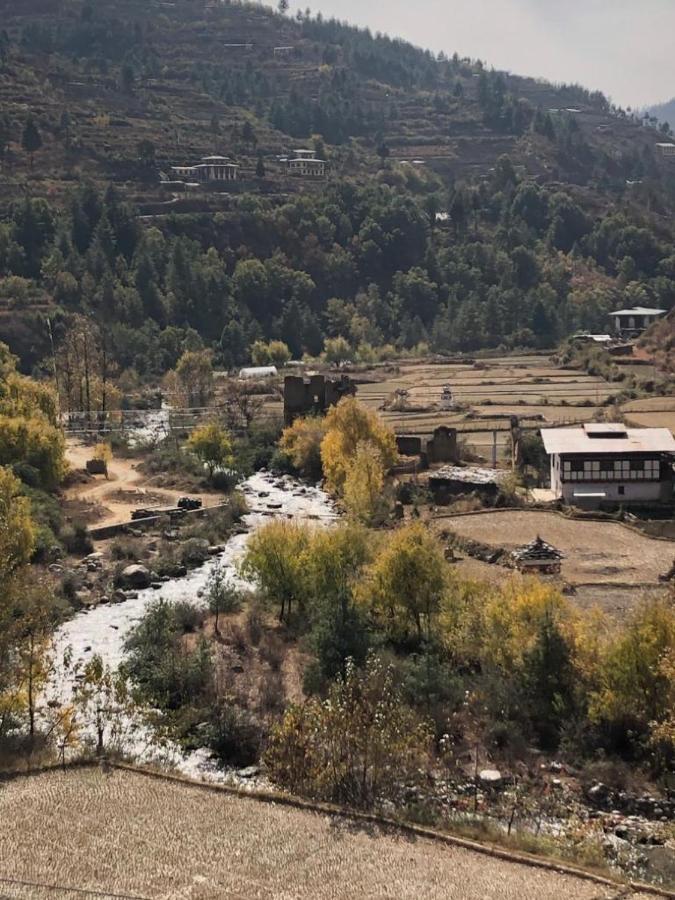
x: 490, y: 778
x: 136, y: 576
x: 249, y: 772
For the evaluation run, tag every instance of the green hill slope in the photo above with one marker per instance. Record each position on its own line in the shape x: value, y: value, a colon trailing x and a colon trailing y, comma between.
x: 553, y: 205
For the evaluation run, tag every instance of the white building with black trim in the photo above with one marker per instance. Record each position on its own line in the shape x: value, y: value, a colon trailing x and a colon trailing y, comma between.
x: 599, y: 464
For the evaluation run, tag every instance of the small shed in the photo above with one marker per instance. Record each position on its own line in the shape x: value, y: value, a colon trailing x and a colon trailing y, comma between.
x: 538, y: 556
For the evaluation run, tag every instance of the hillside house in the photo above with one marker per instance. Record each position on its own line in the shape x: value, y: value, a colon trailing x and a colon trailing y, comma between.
x: 211, y: 168
x: 305, y: 164
x: 600, y: 464
x: 630, y: 323
x: 666, y: 149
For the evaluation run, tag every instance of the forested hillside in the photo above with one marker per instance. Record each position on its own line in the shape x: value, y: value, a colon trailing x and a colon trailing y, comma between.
x: 463, y: 209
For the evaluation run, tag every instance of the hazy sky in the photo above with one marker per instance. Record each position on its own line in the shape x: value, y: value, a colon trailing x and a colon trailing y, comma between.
x: 622, y: 47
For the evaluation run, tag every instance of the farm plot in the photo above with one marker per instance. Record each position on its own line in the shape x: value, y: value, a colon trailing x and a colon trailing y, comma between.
x: 487, y: 392
x: 595, y: 552
x: 127, y: 834
x: 652, y: 412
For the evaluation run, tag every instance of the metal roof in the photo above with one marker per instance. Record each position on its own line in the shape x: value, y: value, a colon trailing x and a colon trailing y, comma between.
x: 639, y: 311
x: 607, y: 438
x: 468, y: 475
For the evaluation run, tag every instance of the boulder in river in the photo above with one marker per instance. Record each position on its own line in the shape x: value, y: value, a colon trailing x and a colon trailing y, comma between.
x: 136, y: 576
x: 491, y: 778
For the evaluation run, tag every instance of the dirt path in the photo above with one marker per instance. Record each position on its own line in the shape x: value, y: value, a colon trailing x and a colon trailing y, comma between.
x: 141, y: 837
x: 125, y: 489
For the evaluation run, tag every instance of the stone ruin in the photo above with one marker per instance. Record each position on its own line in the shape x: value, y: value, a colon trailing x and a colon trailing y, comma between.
x: 314, y: 394
x: 440, y: 447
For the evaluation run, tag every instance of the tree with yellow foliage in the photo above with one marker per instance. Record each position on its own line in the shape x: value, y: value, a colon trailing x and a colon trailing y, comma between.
x: 349, y: 424
x: 406, y: 582
x: 103, y: 453
x: 301, y: 442
x: 275, y: 560
x: 634, y: 687
x: 364, y: 497
x: 211, y: 444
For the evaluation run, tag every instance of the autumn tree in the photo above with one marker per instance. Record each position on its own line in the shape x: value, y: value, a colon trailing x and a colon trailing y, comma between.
x: 356, y: 747
x: 194, y: 375
x: 405, y: 584
x: 301, y: 442
x: 364, y: 485
x: 275, y: 560
x: 347, y: 425
x: 211, y: 444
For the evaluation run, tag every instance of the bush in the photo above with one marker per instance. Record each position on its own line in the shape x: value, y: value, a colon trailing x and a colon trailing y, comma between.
x: 233, y: 735
x: 75, y: 539
x: 356, y: 748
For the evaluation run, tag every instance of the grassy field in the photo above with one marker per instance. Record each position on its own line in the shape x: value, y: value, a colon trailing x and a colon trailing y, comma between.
x: 651, y: 412
x: 131, y: 835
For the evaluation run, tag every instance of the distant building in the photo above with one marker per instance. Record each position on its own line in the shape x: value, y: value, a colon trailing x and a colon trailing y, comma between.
x: 305, y: 163
x: 666, y: 149
x: 599, y: 464
x: 539, y: 557
x: 592, y: 338
x: 630, y: 323
x: 314, y: 394
x: 258, y: 372
x: 211, y: 168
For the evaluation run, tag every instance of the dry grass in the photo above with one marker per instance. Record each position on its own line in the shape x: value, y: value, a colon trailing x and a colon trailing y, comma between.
x: 134, y: 835
x: 607, y: 554
x: 525, y: 386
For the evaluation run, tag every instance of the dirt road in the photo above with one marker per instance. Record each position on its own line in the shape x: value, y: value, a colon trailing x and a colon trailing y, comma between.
x: 125, y: 489
x: 143, y: 838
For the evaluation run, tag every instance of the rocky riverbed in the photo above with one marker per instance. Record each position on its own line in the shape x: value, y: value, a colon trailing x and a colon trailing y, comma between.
x: 102, y: 629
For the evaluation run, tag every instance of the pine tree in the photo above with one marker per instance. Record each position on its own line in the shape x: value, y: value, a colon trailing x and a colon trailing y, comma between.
x: 31, y: 140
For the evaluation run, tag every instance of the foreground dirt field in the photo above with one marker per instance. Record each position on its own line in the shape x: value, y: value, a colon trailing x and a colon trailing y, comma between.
x: 595, y: 553
x: 129, y: 835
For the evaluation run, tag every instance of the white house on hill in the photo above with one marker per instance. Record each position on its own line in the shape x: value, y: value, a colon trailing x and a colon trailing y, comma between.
x: 211, y: 168
x: 304, y: 162
x: 600, y: 464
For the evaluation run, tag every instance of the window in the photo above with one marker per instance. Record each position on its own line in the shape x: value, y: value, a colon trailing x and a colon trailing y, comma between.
x: 622, y: 490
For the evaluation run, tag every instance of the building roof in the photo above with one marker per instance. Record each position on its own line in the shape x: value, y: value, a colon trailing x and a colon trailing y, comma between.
x: 538, y: 551
x: 216, y: 159
x: 600, y: 437
x: 467, y: 474
x: 639, y: 310
x: 258, y: 372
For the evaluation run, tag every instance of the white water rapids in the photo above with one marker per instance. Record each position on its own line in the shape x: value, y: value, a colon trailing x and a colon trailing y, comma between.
x: 103, y: 630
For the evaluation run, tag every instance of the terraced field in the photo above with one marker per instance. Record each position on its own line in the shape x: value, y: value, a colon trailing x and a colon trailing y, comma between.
x: 652, y: 412
x: 487, y: 394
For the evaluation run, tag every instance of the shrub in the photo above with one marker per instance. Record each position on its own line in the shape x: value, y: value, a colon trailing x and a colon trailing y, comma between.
x: 357, y: 747
x: 75, y: 539
x: 233, y: 735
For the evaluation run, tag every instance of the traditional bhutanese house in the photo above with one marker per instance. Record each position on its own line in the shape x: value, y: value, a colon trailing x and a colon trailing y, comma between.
x: 605, y: 464
x: 538, y: 556
x: 305, y: 163
x: 211, y: 168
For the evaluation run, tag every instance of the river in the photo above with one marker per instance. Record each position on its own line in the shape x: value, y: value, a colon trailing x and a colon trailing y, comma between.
x: 103, y: 629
